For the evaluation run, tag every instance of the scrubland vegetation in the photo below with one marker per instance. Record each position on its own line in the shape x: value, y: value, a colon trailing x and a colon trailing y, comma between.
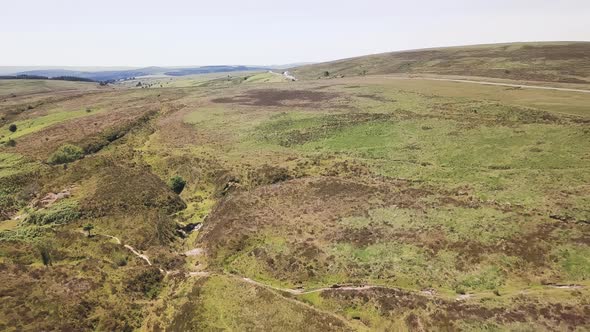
x: 253, y: 203
x: 564, y: 62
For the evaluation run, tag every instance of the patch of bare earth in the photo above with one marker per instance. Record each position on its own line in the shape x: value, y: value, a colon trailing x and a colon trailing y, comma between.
x: 275, y: 97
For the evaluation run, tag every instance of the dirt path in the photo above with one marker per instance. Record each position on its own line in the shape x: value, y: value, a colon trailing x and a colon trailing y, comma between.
x: 351, y: 325
x: 521, y: 86
x: 300, y: 291
x: 112, y: 237
x: 134, y: 251
x: 245, y: 279
x: 138, y: 254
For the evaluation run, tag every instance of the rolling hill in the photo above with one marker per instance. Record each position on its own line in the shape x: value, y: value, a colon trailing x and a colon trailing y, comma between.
x: 108, y: 75
x: 567, y: 62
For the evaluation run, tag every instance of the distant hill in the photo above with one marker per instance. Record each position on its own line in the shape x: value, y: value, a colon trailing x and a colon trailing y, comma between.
x: 40, y: 77
x: 13, y: 70
x: 113, y: 75
x: 210, y: 69
x: 548, y: 61
x: 95, y: 75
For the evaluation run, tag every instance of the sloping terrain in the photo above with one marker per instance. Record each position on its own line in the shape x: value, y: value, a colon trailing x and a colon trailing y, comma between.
x: 114, y: 75
x: 567, y: 62
x: 252, y: 203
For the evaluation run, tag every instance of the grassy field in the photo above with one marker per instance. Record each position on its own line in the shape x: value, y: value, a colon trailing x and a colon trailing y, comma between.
x: 366, y: 203
x: 14, y: 88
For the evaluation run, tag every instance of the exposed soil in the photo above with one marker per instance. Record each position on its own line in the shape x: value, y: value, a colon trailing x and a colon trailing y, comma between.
x: 50, y: 198
x: 376, y: 97
x: 275, y: 97
x: 194, y: 252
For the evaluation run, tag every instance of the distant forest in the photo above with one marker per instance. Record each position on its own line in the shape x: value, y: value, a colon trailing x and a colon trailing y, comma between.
x: 39, y: 77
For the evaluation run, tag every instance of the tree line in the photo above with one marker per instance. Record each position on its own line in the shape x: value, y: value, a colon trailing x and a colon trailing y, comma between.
x: 39, y: 77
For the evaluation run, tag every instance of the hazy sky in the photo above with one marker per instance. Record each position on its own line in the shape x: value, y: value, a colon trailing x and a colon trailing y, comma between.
x: 183, y: 32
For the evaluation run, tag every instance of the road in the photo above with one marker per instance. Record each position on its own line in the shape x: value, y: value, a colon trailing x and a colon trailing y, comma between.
x: 522, y: 86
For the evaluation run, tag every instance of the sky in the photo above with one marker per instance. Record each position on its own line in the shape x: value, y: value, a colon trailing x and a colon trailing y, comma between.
x: 267, y: 32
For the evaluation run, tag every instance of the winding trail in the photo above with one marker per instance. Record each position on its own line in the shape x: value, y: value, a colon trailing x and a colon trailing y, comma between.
x: 344, y: 321
x: 244, y: 279
x: 138, y: 254
x: 315, y: 290
x: 112, y: 237
x: 134, y: 251
x: 301, y: 291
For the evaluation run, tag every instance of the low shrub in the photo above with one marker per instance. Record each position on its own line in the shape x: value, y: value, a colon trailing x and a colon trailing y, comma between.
x: 27, y: 233
x: 45, y: 252
x: 119, y: 258
x: 88, y: 229
x: 268, y: 175
x: 147, y: 282
x: 60, y: 213
x: 65, y: 154
x: 177, y: 184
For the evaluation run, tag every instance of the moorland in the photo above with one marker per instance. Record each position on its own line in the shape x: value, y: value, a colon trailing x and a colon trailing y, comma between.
x: 388, y: 192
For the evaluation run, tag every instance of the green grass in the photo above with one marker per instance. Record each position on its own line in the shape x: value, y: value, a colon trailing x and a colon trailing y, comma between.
x: 24, y: 233
x: 487, y: 278
x: 20, y: 87
x: 575, y: 261
x: 504, y: 153
x: 265, y: 78
x: 247, y: 264
x: 486, y: 224
x: 411, y: 93
x: 406, y: 263
x: 15, y: 172
x: 12, y: 163
x: 65, y: 154
x: 8, y: 225
x: 219, y: 304
x: 59, y: 213
x: 495, y: 160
